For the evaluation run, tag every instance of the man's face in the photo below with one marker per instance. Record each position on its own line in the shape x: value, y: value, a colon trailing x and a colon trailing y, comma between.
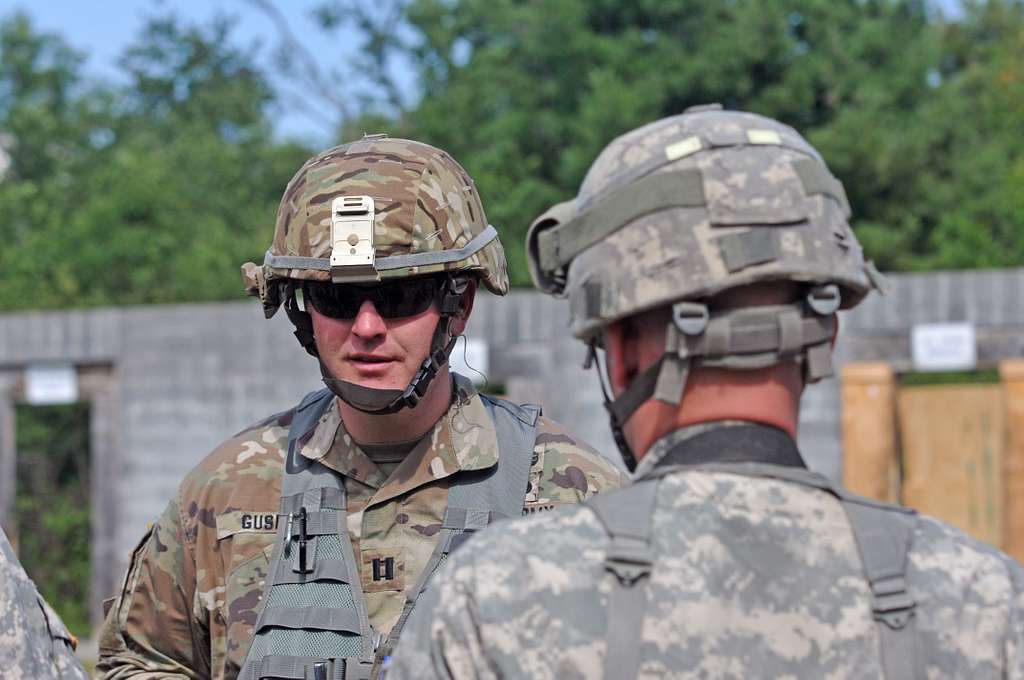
x: 374, y: 351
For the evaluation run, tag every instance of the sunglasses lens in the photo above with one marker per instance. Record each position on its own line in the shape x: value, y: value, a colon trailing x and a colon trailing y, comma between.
x: 391, y: 300
x: 406, y: 298
x: 334, y: 301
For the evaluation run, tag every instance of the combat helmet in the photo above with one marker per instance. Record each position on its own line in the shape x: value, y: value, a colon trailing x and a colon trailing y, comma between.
x: 370, y: 211
x: 688, y: 207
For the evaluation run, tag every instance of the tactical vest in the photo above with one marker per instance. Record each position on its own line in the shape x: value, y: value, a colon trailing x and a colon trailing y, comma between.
x: 883, y: 534
x: 312, y: 622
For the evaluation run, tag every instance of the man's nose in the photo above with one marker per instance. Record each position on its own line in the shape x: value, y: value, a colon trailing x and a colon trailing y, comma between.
x: 368, y: 322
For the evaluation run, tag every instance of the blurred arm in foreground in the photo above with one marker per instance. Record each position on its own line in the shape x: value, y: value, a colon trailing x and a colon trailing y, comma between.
x: 34, y: 643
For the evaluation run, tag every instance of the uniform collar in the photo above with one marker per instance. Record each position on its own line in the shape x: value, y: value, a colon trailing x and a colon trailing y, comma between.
x: 721, y: 441
x: 463, y: 438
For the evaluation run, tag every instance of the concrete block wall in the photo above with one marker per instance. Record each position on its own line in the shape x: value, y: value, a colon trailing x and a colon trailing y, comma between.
x: 181, y: 378
x: 191, y: 376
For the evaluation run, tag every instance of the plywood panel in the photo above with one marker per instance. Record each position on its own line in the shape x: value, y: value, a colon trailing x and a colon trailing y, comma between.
x: 870, y: 449
x: 953, y: 440
x: 1012, y: 374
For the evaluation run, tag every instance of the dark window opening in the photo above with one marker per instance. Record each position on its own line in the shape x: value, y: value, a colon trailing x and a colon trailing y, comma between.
x: 51, y: 518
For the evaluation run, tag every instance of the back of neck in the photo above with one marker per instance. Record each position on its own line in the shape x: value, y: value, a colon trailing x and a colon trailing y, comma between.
x: 770, y: 396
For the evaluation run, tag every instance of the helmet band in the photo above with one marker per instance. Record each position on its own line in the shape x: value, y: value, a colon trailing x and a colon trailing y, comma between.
x: 475, y: 245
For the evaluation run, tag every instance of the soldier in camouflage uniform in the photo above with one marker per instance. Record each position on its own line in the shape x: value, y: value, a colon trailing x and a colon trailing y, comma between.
x: 34, y: 643
x: 726, y: 558
x: 378, y: 249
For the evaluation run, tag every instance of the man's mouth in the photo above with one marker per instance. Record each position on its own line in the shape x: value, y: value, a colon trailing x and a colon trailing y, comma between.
x: 369, y: 366
x: 370, y: 359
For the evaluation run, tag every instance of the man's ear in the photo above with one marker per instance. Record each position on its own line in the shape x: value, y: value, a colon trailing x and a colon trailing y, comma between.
x: 619, y: 357
x: 466, y: 304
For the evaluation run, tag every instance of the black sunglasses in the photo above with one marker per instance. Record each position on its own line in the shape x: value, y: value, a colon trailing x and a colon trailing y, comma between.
x: 392, y: 300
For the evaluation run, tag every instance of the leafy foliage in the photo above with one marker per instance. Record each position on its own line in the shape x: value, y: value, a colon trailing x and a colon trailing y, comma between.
x: 920, y: 116
x: 157, y: 190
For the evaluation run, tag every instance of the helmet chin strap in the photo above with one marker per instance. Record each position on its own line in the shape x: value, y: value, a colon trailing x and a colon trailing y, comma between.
x: 615, y: 421
x: 381, y: 401
x: 620, y: 409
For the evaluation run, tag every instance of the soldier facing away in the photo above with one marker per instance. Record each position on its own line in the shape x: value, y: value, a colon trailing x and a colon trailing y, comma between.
x: 708, y: 253
x: 297, y: 548
x: 34, y: 643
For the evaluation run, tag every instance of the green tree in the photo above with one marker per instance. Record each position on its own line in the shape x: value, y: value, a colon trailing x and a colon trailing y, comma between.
x: 189, y: 186
x: 157, y: 191
x: 899, y: 99
x: 977, y: 217
x: 44, y: 138
x: 933, y: 184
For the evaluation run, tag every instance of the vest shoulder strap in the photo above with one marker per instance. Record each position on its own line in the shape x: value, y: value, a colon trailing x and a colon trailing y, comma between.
x: 502, y: 489
x: 301, y: 474
x: 626, y: 517
x: 315, y: 397
x: 884, y: 535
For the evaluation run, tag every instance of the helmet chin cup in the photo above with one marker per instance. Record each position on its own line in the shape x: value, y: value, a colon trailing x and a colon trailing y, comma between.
x: 380, y: 401
x: 365, y: 399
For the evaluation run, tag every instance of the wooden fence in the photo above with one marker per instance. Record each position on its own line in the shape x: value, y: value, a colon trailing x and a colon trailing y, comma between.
x: 952, y: 451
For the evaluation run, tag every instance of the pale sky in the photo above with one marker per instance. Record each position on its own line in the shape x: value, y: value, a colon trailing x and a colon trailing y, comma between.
x: 102, y: 30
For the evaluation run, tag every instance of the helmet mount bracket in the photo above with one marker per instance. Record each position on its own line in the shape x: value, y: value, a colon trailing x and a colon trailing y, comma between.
x: 352, y: 248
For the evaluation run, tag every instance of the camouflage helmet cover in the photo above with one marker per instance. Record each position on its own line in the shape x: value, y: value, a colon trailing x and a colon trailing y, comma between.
x: 693, y: 205
x: 428, y: 217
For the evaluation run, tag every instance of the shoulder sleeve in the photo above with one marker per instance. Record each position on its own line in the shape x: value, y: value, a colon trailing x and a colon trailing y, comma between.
x: 64, y: 643
x: 566, y: 469
x: 34, y: 642
x: 441, y: 640
x: 152, y: 626
x: 505, y: 604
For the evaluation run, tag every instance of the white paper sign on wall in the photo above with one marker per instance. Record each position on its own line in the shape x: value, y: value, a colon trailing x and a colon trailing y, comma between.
x: 944, y: 347
x: 47, y: 384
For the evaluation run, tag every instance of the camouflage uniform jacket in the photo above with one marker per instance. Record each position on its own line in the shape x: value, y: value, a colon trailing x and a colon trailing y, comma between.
x: 189, y: 601
x: 34, y: 643
x: 753, y: 577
